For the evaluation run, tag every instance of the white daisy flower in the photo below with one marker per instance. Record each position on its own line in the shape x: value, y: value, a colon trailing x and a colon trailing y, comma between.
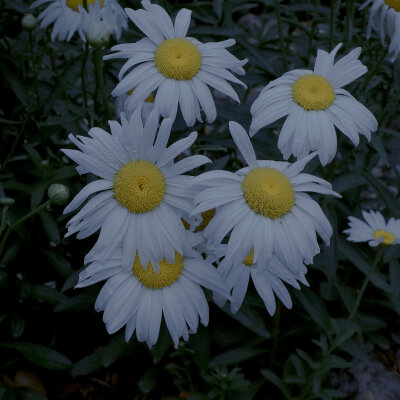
x: 265, y: 207
x: 67, y: 17
x: 384, y: 17
x: 314, y: 103
x: 375, y: 231
x: 121, y: 105
x: 179, y: 68
x: 96, y: 27
x: 141, y: 196
x: 268, y: 277
x: 137, y: 297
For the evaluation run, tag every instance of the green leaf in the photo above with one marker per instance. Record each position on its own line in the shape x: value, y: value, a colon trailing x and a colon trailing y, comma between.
x: 47, y: 294
x: 88, y: 364
x: 114, y: 350
x: 347, y: 182
x: 274, y: 379
x: 200, y: 344
x: 148, y: 381
x: 17, y: 325
x: 383, y: 192
x: 41, y: 355
x: 28, y: 394
x: 50, y: 226
x: 58, y: 262
x: 234, y: 356
x: 315, y: 308
x: 79, y: 302
x: 249, y: 318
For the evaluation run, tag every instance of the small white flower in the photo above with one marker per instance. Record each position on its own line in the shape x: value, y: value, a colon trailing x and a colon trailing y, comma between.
x: 375, y: 231
x: 141, y: 196
x: 138, y: 297
x: 179, y: 68
x: 267, y: 276
x: 384, y: 17
x: 29, y: 22
x: 67, y: 17
x: 314, y: 103
x: 265, y: 207
x: 97, y: 26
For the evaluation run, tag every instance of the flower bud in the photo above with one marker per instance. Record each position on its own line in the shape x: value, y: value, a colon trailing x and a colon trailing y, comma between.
x: 6, y: 201
x: 58, y: 193
x: 29, y: 22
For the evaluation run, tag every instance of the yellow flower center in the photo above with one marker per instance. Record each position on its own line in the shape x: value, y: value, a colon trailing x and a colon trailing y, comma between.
x: 139, y: 186
x: 178, y: 59
x: 313, y: 92
x: 249, y: 259
x: 149, y: 99
x: 388, y: 237
x: 169, y: 273
x: 393, y: 4
x: 268, y: 192
x: 75, y: 3
x: 207, y: 216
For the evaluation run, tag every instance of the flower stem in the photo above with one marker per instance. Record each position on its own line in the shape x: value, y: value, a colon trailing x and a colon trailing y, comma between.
x: 364, y: 285
x: 34, y: 69
x: 20, y: 221
x: 275, y: 333
x: 83, y: 78
x: 332, y: 24
x: 98, y: 63
x: 281, y: 41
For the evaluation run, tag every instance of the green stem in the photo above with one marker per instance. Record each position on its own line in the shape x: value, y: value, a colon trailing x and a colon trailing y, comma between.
x: 98, y: 63
x: 281, y: 41
x: 364, y: 285
x: 332, y: 24
x: 57, y: 73
x: 34, y: 69
x: 20, y: 221
x: 275, y: 333
x: 372, y: 71
x: 14, y: 145
x: 83, y: 77
x: 348, y: 20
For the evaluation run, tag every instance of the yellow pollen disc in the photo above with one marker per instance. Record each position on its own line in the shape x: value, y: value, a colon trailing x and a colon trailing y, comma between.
x: 139, y: 186
x: 75, y: 3
x: 178, y: 59
x: 169, y: 273
x: 149, y: 99
x: 249, y: 259
x: 313, y: 92
x: 207, y: 216
x: 388, y: 237
x: 393, y: 4
x: 268, y: 192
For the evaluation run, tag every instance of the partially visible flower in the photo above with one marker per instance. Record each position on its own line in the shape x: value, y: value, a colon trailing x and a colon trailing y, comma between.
x: 138, y: 297
x: 314, y: 103
x: 67, y: 16
x: 264, y: 207
x: 141, y: 196
x: 97, y: 26
x: 123, y: 105
x: 384, y: 17
x: 29, y: 22
x: 375, y: 230
x: 178, y: 67
x: 267, y: 276
x: 58, y: 193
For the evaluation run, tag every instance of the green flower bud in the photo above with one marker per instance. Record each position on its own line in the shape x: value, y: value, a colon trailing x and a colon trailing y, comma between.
x: 6, y: 201
x: 58, y: 193
x: 29, y: 22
